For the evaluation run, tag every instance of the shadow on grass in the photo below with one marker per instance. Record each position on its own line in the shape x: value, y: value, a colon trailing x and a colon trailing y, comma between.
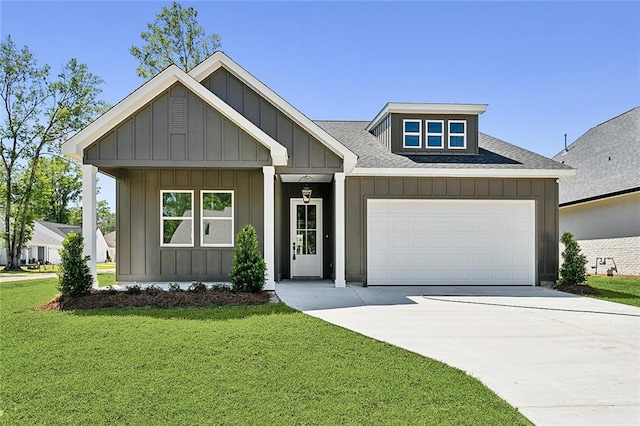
x: 612, y: 294
x: 211, y: 313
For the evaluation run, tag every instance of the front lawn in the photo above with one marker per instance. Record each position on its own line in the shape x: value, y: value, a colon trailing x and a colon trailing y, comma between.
x: 244, y: 365
x: 617, y: 289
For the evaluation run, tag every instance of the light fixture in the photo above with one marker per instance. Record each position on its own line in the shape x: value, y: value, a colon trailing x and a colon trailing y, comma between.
x: 306, y: 189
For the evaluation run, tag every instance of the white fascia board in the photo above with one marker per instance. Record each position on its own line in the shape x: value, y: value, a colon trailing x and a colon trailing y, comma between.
x: 218, y: 59
x: 422, y: 108
x: 75, y: 146
x: 437, y: 172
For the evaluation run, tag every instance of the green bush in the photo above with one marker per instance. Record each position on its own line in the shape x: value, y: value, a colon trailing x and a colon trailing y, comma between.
x: 249, y: 269
x: 573, y: 270
x: 74, y: 273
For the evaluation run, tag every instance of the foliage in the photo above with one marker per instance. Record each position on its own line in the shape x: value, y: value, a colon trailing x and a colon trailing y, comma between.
x: 573, y: 270
x: 175, y: 37
x: 105, y: 218
x: 74, y: 275
x: 40, y: 112
x: 59, y: 184
x: 197, y: 287
x: 174, y: 287
x: 134, y: 289
x: 249, y: 269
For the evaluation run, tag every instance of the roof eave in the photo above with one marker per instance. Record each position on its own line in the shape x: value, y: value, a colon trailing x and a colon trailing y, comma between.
x: 463, y: 172
x: 425, y: 108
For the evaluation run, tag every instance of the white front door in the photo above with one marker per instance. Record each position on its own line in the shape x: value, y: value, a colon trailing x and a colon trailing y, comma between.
x: 305, y: 246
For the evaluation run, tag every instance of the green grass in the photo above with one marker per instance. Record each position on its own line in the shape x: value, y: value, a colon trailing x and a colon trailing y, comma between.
x: 248, y: 365
x: 107, y: 265
x: 106, y: 279
x: 624, y: 290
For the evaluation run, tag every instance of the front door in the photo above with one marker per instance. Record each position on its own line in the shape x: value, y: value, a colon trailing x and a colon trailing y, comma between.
x: 306, y: 239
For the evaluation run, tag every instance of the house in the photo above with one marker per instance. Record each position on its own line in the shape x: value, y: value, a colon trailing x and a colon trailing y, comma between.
x: 416, y: 196
x: 46, y: 240
x: 600, y: 205
x: 110, y: 239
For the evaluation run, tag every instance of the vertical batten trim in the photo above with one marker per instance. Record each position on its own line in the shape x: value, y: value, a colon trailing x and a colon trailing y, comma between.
x: 339, y: 179
x: 269, y: 225
x: 89, y: 217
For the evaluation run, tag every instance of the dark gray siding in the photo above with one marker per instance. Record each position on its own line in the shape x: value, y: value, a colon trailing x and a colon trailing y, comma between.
x: 397, y: 142
x: 139, y: 255
x: 177, y: 129
x: 543, y: 191
x: 306, y: 153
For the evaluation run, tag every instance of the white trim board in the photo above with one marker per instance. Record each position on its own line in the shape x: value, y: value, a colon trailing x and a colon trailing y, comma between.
x: 424, y: 108
x: 75, y: 146
x: 460, y: 172
x: 220, y: 59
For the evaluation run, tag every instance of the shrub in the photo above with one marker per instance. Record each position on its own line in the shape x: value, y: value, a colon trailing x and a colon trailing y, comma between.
x: 249, y: 269
x: 197, y: 287
x: 134, y: 289
x: 573, y: 270
x: 74, y: 273
x: 174, y: 287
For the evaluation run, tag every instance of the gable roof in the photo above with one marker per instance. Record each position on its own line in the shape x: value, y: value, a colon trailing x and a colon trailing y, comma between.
x: 220, y: 59
x: 110, y: 239
x: 606, y: 159
x: 497, y: 158
x: 75, y: 146
x: 51, y: 233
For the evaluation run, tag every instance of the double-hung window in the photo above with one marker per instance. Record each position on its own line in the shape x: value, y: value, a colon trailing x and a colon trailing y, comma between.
x: 216, y: 213
x: 176, y: 224
x: 435, y: 133
x: 457, y: 134
x: 412, y: 133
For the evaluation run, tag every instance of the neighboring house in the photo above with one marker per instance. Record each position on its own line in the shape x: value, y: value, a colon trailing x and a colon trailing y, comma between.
x: 600, y: 205
x: 46, y: 240
x: 110, y: 239
x: 416, y: 196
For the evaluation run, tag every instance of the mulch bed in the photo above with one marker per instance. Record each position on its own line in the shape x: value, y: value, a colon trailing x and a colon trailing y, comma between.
x: 156, y: 299
x: 581, y: 289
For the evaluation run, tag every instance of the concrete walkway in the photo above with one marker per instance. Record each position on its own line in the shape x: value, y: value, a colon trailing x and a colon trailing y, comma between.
x: 560, y: 359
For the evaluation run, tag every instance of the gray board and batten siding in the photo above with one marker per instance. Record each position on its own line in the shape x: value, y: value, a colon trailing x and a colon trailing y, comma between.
x: 306, y: 153
x: 177, y: 129
x: 543, y: 191
x: 390, y: 130
x: 139, y: 255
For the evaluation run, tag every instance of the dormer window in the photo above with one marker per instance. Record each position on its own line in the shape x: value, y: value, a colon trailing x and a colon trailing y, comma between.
x: 412, y: 133
x: 435, y: 133
x: 457, y: 134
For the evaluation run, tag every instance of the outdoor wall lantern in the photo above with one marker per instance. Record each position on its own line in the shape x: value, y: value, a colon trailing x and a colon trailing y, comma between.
x: 306, y: 189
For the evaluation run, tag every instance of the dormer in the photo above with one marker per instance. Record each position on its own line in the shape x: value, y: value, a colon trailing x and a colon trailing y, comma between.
x: 428, y: 129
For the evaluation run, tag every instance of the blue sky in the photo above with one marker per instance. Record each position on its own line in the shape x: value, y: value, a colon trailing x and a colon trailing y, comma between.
x: 544, y: 68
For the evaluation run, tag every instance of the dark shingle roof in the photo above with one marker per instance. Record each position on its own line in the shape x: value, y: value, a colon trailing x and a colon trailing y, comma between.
x: 606, y: 159
x: 494, y: 153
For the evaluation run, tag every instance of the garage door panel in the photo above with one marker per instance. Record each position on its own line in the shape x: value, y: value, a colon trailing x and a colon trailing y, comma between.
x: 450, y: 242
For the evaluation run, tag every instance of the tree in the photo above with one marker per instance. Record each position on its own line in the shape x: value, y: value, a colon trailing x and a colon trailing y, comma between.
x: 60, y: 180
x: 249, y: 269
x: 74, y: 275
x: 105, y: 219
x: 175, y: 37
x: 39, y: 112
x: 573, y: 270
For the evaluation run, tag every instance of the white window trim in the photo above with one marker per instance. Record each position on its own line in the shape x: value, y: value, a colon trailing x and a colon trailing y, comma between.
x: 163, y: 217
x: 202, y: 217
x: 464, y: 134
x: 418, y: 133
x: 441, y: 134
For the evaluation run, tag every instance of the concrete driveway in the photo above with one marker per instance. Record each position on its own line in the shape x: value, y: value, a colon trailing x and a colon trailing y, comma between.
x: 560, y: 359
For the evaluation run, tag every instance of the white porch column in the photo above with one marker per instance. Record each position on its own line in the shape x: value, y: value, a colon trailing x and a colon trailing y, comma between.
x: 269, y: 239
x: 89, y: 216
x: 340, y: 229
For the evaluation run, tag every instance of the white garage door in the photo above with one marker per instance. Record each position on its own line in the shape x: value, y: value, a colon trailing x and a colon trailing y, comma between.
x: 444, y: 242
